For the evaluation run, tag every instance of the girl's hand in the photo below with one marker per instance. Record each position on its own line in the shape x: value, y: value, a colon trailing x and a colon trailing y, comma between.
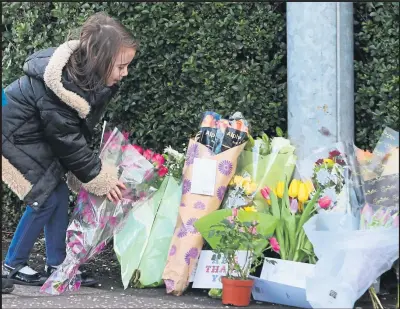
x: 115, y: 194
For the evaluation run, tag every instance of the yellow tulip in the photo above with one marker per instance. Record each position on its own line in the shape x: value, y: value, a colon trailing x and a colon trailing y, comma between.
x: 303, y: 193
x: 294, y: 188
x: 250, y: 188
x: 309, y: 186
x: 246, y: 183
x: 301, y: 207
x: 280, y: 188
x: 250, y: 209
x: 238, y: 180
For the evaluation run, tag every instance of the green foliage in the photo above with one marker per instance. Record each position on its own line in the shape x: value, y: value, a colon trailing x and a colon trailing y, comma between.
x: 236, y: 235
x: 194, y: 57
x: 377, y: 70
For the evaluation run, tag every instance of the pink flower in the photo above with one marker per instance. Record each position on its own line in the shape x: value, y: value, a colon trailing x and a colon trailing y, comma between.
x: 148, y: 154
x: 382, y: 216
x: 294, y: 206
x: 234, y: 212
x: 265, y: 192
x: 138, y: 149
x: 83, y: 195
x: 253, y: 230
x: 106, y: 136
x: 113, y: 221
x: 396, y: 221
x: 148, y: 175
x: 274, y: 244
x: 367, y: 213
x: 162, y: 171
x: 158, y: 159
x: 125, y: 147
x: 126, y: 135
x: 324, y: 202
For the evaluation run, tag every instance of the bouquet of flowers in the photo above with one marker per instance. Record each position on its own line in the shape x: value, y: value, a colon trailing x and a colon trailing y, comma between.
x: 345, y: 251
x: 291, y: 206
x: 142, y: 245
x: 334, y: 171
x: 241, y: 191
x: 210, y: 163
x: 266, y: 161
x: 95, y: 219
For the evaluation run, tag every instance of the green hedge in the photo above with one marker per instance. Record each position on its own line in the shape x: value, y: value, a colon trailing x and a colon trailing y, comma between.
x: 207, y: 56
x: 377, y: 70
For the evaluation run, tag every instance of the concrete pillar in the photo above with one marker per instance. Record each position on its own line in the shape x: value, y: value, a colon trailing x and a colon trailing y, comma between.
x: 320, y: 74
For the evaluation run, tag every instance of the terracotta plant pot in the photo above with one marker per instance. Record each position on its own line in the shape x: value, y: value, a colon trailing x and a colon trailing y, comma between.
x: 236, y: 292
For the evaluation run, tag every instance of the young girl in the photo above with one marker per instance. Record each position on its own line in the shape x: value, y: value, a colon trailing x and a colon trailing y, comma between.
x: 47, y: 123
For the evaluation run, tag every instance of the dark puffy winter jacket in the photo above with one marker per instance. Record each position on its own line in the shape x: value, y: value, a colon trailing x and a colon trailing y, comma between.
x: 46, y: 126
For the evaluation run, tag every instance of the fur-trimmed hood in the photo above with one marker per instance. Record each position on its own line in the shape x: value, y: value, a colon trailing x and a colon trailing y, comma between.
x: 48, y: 65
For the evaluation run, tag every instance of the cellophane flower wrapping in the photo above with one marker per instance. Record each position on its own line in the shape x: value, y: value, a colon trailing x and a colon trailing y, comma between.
x: 220, y: 140
x: 351, y: 259
x: 262, y: 164
x: 95, y: 219
x: 335, y: 171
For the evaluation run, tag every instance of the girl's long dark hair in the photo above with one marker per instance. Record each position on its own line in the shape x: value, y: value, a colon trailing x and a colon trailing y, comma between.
x: 101, y: 38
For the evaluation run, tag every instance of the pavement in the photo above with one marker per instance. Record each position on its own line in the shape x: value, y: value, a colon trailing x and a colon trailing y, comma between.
x: 30, y: 297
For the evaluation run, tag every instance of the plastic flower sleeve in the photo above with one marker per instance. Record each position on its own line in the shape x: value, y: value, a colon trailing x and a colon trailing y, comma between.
x: 95, y: 219
x: 340, y: 276
x: 335, y: 170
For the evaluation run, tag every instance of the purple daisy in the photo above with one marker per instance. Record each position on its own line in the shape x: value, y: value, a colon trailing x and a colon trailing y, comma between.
x: 191, y: 254
x: 199, y: 205
x: 172, y: 251
x: 190, y: 226
x: 225, y: 167
x: 187, y: 184
x: 192, y: 153
x: 221, y: 192
x: 169, y: 284
x: 182, y: 231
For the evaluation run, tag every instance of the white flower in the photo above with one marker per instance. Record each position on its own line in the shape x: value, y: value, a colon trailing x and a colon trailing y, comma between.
x: 175, y: 154
x: 323, y: 176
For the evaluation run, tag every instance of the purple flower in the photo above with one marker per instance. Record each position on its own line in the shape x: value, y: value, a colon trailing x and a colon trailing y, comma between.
x: 182, y: 231
x: 191, y: 254
x: 192, y: 153
x: 225, y: 167
x: 172, y: 251
x: 190, y: 226
x: 187, y: 184
x: 199, y: 205
x: 169, y: 284
x: 221, y: 192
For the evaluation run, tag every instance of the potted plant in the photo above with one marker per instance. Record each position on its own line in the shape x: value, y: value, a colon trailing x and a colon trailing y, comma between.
x: 238, y: 232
